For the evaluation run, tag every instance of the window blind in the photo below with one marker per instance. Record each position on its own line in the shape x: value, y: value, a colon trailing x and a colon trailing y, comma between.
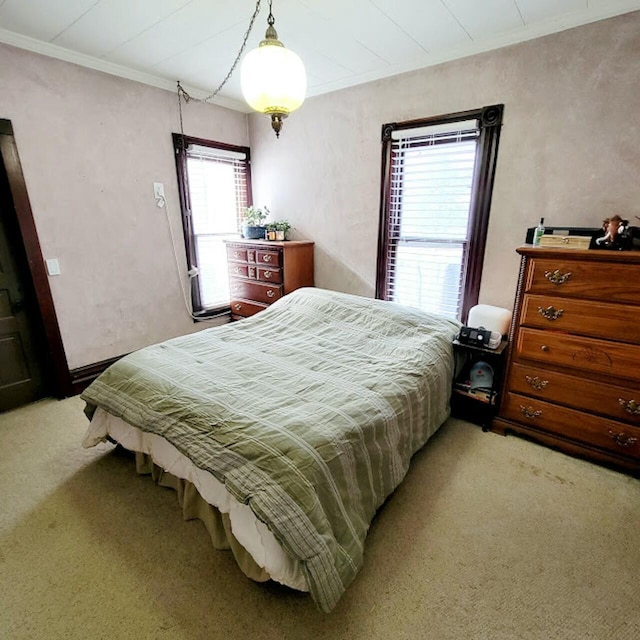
x: 431, y: 177
x: 218, y: 193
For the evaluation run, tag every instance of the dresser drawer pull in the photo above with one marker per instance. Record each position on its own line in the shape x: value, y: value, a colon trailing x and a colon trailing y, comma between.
x: 544, y: 347
x: 622, y: 439
x: 237, y: 307
x: 267, y: 274
x: 236, y: 254
x: 266, y: 258
x: 557, y: 278
x: 530, y: 412
x: 536, y: 383
x: 270, y: 293
x: 630, y: 406
x: 550, y: 313
x: 237, y: 270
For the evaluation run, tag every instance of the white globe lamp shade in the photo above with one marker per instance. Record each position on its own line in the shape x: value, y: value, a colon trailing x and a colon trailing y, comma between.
x: 273, y: 81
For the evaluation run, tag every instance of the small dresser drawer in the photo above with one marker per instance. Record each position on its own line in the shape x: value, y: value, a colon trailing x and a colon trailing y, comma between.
x: 591, y: 280
x: 236, y: 253
x: 269, y: 275
x: 582, y: 354
x: 239, y: 270
x: 588, y: 318
x: 270, y: 258
x: 246, y: 308
x: 255, y: 291
x: 613, y: 401
x: 615, y: 437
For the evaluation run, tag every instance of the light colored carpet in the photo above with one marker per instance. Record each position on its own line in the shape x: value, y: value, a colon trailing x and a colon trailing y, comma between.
x: 487, y: 537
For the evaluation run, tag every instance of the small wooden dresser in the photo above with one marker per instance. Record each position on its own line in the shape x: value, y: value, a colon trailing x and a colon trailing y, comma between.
x: 262, y: 271
x: 573, y: 370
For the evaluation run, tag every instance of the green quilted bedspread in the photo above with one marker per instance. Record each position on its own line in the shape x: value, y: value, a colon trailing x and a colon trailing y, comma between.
x: 309, y: 412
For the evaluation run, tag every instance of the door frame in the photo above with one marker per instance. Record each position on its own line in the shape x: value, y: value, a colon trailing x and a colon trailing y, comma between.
x: 57, y: 360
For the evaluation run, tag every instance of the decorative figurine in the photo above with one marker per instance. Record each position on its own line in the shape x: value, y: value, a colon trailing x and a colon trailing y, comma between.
x: 616, y: 235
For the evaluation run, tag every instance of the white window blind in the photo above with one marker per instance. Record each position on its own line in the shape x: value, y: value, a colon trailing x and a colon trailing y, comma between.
x: 217, y: 184
x: 431, y: 180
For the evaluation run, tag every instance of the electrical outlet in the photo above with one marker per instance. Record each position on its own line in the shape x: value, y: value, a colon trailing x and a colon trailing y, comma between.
x: 158, y: 190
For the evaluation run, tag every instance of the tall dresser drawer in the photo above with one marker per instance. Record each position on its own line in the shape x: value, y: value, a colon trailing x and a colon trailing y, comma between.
x: 596, y: 319
x: 615, y: 282
x: 269, y: 275
x: 616, y: 402
x: 583, y: 354
x: 615, y: 437
x: 246, y: 308
x: 270, y: 258
x: 240, y: 270
x: 257, y: 291
x: 238, y: 254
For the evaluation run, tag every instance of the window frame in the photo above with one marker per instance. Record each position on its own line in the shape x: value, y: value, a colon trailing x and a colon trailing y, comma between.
x: 181, y: 144
x: 490, y: 123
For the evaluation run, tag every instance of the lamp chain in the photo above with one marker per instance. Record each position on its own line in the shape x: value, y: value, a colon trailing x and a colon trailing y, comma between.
x: 186, y: 97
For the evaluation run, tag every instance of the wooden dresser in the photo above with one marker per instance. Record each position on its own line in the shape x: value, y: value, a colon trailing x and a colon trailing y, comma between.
x: 573, y: 370
x: 262, y: 271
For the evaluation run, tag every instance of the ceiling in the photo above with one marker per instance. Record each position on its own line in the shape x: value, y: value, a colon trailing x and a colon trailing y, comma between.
x: 341, y: 42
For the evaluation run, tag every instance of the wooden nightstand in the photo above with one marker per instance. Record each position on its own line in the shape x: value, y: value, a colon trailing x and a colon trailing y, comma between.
x: 476, y: 405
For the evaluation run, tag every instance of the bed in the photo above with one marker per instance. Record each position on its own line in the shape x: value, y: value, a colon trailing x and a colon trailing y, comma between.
x: 292, y: 427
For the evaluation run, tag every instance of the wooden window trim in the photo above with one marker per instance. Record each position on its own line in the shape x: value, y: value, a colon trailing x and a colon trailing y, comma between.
x: 181, y: 144
x: 490, y: 122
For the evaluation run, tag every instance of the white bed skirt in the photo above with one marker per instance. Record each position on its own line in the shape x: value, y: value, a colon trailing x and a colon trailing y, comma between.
x: 252, y: 534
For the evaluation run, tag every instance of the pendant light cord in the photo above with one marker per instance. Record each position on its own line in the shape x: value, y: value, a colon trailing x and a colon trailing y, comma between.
x: 186, y: 97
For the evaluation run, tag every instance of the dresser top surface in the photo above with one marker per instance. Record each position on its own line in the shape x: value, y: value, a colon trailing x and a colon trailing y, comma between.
x: 595, y: 255
x: 270, y: 243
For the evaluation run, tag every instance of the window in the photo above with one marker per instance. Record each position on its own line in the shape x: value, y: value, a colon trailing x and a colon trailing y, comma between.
x: 437, y: 178
x: 214, y: 181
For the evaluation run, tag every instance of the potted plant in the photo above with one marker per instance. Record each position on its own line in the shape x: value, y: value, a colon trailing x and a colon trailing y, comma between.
x: 281, y: 228
x: 254, y: 218
x: 271, y: 230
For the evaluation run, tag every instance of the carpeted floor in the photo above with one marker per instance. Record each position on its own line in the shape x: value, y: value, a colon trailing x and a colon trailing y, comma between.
x: 487, y: 538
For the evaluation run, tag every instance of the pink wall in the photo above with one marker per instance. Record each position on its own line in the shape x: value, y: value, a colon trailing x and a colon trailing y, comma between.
x: 91, y: 147
x: 569, y: 151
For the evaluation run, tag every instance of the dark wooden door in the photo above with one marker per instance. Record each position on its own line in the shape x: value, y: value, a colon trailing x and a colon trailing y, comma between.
x: 22, y: 351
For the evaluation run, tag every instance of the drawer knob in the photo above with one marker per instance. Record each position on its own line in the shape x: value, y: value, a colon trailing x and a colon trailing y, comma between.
x: 267, y: 274
x: 550, y: 313
x: 237, y: 269
x: 544, y: 347
x: 270, y: 293
x: 266, y: 258
x: 630, y: 406
x: 622, y: 439
x: 536, y: 383
x: 530, y: 412
x: 236, y: 254
x: 237, y: 307
x: 557, y: 278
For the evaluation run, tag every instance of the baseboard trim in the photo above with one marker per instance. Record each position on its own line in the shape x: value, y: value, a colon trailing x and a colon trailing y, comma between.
x: 82, y: 377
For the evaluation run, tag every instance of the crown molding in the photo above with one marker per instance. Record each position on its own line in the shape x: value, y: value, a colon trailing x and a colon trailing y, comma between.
x: 98, y: 64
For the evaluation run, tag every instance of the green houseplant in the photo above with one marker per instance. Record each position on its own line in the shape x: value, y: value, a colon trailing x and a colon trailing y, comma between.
x: 281, y: 228
x: 253, y: 227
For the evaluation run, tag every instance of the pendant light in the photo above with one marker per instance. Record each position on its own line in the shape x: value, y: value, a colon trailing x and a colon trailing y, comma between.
x: 273, y: 78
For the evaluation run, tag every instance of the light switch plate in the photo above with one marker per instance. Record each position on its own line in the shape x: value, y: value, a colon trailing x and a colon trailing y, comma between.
x: 158, y: 190
x: 53, y: 267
